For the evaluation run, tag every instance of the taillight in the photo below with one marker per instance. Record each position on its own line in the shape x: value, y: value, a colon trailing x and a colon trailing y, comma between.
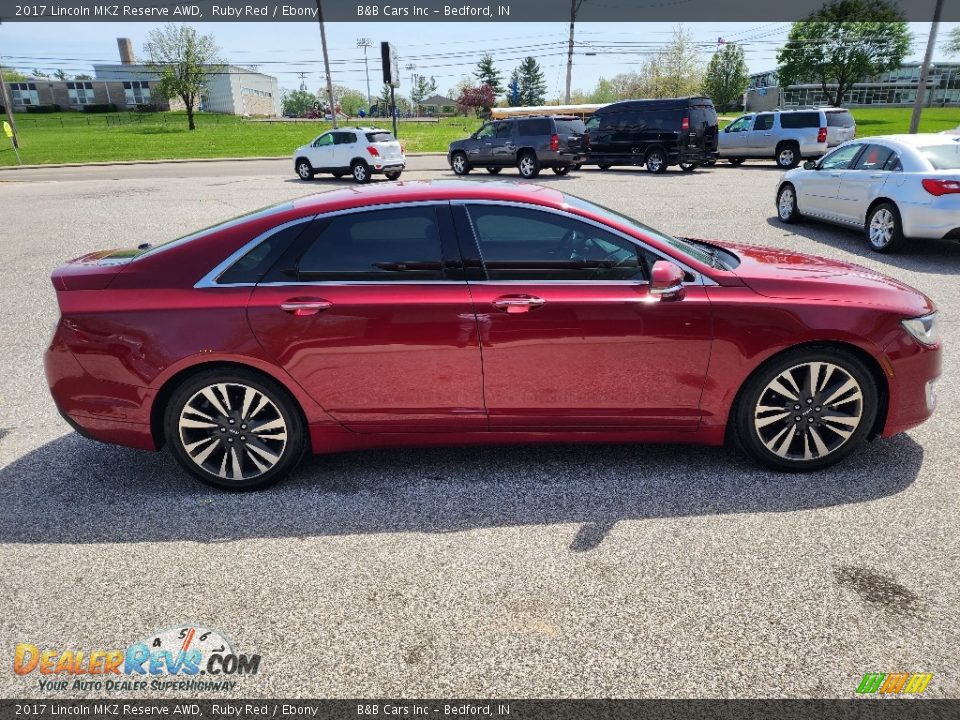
x: 941, y: 187
x: 822, y: 135
x: 402, y: 149
x: 685, y: 124
x: 373, y: 151
x: 554, y: 142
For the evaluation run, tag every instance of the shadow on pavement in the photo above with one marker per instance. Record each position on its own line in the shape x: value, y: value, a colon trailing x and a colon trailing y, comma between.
x: 74, y: 490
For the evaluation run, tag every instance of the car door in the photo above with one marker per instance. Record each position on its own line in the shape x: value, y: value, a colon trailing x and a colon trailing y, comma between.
x: 733, y: 139
x: 760, y: 140
x: 571, y: 337
x: 344, y: 148
x: 503, y: 149
x: 863, y: 182
x: 363, y: 312
x: 480, y: 147
x: 321, y: 151
x: 818, y: 193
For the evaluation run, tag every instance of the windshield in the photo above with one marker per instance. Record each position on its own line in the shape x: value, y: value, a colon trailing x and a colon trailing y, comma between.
x: 943, y: 157
x: 683, y: 247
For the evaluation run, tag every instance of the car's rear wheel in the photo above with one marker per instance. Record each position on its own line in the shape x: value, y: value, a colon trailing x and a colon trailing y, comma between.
x: 304, y: 169
x: 788, y: 155
x: 561, y: 170
x: 235, y: 429
x: 688, y: 167
x: 807, y: 409
x: 604, y: 166
x: 656, y: 160
x: 884, y: 229
x: 736, y: 161
x: 494, y: 170
x: 459, y: 163
x: 338, y: 174
x: 578, y: 166
x: 528, y: 166
x: 787, y: 204
x: 360, y: 171
x: 392, y: 175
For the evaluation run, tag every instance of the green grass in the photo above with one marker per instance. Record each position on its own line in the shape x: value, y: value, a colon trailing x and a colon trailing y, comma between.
x: 80, y: 137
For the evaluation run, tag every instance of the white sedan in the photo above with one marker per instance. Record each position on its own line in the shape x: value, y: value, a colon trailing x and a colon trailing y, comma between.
x: 894, y: 187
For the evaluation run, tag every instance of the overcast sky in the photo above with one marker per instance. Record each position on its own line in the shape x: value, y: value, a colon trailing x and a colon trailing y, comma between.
x: 447, y: 51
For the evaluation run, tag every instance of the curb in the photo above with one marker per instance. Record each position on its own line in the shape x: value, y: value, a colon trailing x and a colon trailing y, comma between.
x: 174, y: 161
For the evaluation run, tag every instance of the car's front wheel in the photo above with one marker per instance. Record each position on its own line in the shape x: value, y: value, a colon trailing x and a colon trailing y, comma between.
x: 807, y: 409
x: 688, y: 167
x: 235, y: 429
x: 459, y: 164
x: 884, y: 229
x: 787, y: 204
x: 736, y: 161
x: 494, y: 170
x: 304, y: 169
x: 561, y: 170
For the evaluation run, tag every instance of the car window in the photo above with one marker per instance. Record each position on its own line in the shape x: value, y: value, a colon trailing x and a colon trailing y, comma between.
x: 344, y: 138
x: 540, y: 126
x: 740, y: 124
x: 702, y: 115
x: 486, y: 131
x: 380, y: 136
x: 943, y: 157
x: 794, y: 120
x: 875, y: 157
x: 323, y: 140
x: 764, y: 122
x: 254, y: 265
x: 840, y: 118
x: 893, y: 163
x: 593, y: 122
x: 504, y: 130
x: 394, y: 244
x: 570, y: 127
x: 524, y: 244
x: 841, y: 158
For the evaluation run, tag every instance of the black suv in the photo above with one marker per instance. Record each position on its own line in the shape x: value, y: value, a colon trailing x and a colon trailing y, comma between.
x: 527, y: 143
x: 655, y: 133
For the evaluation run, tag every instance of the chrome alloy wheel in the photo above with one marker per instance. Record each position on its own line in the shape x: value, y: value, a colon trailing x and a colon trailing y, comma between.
x: 232, y: 431
x: 459, y: 164
x: 786, y: 157
x: 655, y: 162
x: 882, y: 227
x: 785, y: 206
x: 808, y: 411
x: 527, y: 166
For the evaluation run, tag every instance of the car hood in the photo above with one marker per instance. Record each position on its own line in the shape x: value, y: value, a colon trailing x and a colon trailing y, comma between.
x: 457, y: 144
x: 784, y: 274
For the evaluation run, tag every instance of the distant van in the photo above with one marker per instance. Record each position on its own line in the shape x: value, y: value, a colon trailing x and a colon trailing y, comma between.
x: 655, y: 133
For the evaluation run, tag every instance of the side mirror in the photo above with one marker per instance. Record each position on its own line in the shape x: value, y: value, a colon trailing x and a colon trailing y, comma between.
x: 809, y: 165
x: 727, y: 129
x: 666, y: 281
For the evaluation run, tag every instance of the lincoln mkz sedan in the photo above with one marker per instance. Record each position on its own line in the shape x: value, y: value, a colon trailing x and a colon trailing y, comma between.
x: 451, y: 313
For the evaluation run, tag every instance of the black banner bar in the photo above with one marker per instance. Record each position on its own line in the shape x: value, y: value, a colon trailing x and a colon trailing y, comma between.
x: 425, y: 11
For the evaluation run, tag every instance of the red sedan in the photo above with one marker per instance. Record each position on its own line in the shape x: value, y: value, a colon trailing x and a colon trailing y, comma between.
x: 453, y: 312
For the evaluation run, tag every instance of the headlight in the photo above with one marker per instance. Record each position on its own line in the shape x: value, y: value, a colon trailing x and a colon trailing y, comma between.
x: 925, y: 329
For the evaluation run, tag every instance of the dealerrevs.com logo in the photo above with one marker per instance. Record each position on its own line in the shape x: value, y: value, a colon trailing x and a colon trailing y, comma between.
x: 188, y: 658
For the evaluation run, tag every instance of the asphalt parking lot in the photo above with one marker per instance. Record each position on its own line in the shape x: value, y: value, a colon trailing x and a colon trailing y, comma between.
x: 608, y: 571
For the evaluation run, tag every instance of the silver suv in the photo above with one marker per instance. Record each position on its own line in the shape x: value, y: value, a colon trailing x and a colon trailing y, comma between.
x: 787, y: 136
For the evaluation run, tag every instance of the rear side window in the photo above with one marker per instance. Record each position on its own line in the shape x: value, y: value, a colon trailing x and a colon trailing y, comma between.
x: 504, y: 130
x: 840, y: 119
x: 254, y: 265
x: 344, y: 138
x: 535, y: 127
x: 795, y: 120
x: 381, y: 245
x: 570, y: 127
x: 875, y: 157
x: 380, y: 136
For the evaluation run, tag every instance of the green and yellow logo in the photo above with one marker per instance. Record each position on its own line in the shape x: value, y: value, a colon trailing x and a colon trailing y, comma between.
x: 894, y: 683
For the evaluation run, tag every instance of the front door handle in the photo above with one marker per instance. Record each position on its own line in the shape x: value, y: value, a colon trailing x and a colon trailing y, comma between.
x: 303, y: 306
x: 513, y: 304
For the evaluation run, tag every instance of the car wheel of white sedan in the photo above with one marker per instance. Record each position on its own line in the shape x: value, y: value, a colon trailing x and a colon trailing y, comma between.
x: 884, y: 230
x: 787, y: 204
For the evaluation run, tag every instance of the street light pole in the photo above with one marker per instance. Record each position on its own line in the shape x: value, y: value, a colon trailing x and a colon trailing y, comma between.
x: 925, y: 69
x: 326, y: 64
x: 366, y: 43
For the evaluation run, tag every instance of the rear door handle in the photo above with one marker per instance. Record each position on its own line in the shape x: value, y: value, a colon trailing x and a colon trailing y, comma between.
x: 877, y: 175
x: 302, y: 307
x: 513, y: 304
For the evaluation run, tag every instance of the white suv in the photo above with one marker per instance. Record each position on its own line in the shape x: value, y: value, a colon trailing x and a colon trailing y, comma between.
x: 786, y: 136
x: 359, y: 151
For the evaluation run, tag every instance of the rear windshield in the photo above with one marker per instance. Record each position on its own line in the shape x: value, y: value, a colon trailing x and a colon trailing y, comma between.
x: 535, y: 127
x: 840, y: 119
x: 380, y: 136
x: 943, y: 157
x: 800, y: 120
x: 570, y: 127
x: 702, y: 115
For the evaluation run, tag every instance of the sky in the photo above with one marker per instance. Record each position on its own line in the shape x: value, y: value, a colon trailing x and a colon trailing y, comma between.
x: 449, y: 51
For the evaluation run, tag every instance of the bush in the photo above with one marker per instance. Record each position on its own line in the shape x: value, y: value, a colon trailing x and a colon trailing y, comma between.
x: 100, y: 108
x: 146, y: 108
x: 43, y: 109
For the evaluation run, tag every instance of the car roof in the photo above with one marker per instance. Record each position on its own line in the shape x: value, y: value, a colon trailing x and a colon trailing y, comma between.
x: 917, y: 140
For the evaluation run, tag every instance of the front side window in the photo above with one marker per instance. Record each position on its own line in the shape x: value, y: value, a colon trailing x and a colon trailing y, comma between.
x: 740, y: 124
x: 376, y: 245
x: 525, y: 244
x: 487, y: 131
x: 324, y: 140
x: 841, y: 158
x: 764, y: 122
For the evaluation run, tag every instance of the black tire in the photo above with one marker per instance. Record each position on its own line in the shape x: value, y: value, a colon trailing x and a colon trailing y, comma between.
x: 393, y: 175
x: 528, y: 165
x: 253, y: 452
x: 360, y: 171
x: 884, y: 229
x: 710, y: 163
x: 578, y: 166
x: 787, y: 155
x: 338, y: 174
x: 787, y: 210
x: 561, y: 170
x: 304, y: 169
x: 736, y: 161
x: 765, y: 424
x: 494, y: 170
x: 656, y: 161
x: 604, y: 166
x: 459, y: 163
x: 688, y: 167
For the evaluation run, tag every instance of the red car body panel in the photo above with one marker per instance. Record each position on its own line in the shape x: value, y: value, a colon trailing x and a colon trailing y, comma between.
x: 434, y: 364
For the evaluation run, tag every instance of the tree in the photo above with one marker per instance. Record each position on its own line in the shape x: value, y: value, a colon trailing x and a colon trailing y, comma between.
x: 532, y: 86
x: 844, y: 42
x: 349, y: 100
x: 513, y: 89
x: 478, y: 99
x: 953, y: 44
x: 182, y: 58
x: 83, y: 76
x: 488, y: 74
x: 59, y: 74
x: 727, y: 76
x: 11, y: 75
x: 402, y: 104
x: 677, y: 70
x: 421, y: 88
x: 298, y: 102
x: 39, y: 74
x: 603, y: 93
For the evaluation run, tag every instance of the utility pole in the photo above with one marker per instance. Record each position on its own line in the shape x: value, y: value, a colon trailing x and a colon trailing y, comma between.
x: 303, y: 81
x: 574, y: 7
x: 326, y: 64
x: 411, y: 68
x: 925, y: 69
x: 366, y: 43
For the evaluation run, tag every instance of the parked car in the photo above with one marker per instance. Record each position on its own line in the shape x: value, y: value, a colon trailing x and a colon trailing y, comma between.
x: 655, y: 133
x: 786, y: 136
x: 455, y: 313
x: 528, y: 143
x: 360, y: 152
x: 894, y: 187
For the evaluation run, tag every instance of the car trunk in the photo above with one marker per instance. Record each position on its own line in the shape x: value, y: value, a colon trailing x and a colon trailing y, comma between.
x: 571, y: 134
x: 387, y: 146
x: 93, y: 271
